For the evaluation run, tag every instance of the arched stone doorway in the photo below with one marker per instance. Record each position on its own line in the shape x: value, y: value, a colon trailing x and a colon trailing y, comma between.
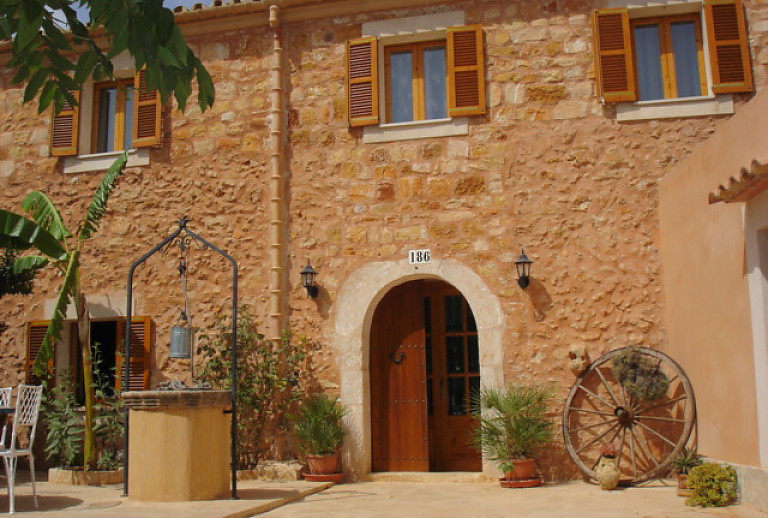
x: 356, y: 305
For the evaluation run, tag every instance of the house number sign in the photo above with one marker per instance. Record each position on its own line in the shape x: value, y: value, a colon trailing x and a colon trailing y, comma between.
x: 419, y: 256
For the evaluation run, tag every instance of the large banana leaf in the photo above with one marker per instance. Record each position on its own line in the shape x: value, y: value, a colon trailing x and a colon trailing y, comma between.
x: 19, y: 233
x: 98, y: 205
x: 29, y: 262
x: 69, y: 289
x: 42, y: 210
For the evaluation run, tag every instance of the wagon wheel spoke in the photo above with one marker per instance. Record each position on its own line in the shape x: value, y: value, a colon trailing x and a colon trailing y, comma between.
x: 608, y: 387
x: 589, y: 427
x: 589, y: 411
x: 633, y: 449
x: 657, y: 434
x: 595, y: 396
x: 646, y: 448
x: 663, y: 404
x: 660, y: 418
x: 597, y: 438
x: 621, y: 447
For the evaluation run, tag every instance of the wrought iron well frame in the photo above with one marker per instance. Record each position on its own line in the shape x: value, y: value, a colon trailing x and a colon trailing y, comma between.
x: 233, y: 369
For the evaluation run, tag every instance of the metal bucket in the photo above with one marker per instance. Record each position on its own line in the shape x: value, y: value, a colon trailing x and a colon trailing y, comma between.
x: 181, y: 342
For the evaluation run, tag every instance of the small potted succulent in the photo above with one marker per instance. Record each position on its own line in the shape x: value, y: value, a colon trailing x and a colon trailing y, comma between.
x: 319, y: 429
x: 687, y: 459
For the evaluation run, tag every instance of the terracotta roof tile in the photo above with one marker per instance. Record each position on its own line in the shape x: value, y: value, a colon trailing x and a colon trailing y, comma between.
x: 750, y: 183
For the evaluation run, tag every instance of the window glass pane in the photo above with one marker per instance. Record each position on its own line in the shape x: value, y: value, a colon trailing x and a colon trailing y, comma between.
x: 648, y: 56
x: 105, y: 140
x: 434, y: 83
x: 471, y: 325
x: 473, y: 354
x: 454, y: 354
x: 401, y: 87
x: 128, y: 138
x: 454, y: 323
x: 456, y: 396
x: 686, y: 59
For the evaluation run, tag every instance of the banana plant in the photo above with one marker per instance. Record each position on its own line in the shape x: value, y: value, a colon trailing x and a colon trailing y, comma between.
x: 46, y: 233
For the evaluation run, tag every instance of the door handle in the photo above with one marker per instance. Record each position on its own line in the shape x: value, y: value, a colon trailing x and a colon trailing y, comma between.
x: 398, y: 358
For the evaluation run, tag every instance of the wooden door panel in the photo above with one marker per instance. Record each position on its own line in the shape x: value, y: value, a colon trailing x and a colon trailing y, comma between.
x: 455, y: 374
x: 398, y: 387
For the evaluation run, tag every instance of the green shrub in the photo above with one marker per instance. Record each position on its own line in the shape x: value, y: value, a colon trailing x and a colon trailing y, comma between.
x: 319, y: 425
x: 714, y: 485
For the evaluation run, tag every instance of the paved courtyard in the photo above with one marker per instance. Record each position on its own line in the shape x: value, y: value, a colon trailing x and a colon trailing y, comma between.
x: 375, y: 499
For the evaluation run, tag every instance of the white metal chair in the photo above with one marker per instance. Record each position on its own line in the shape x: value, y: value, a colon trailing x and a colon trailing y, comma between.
x: 5, y: 401
x: 25, y: 418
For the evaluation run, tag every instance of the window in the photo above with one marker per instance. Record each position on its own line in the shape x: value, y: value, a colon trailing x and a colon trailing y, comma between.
x: 112, y: 116
x: 123, y: 115
x: 424, y: 80
x: 645, y: 59
x: 669, y: 59
x: 108, y: 336
x: 416, y: 82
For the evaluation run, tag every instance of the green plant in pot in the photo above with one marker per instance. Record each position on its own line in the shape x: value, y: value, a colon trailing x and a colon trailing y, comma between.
x: 513, y: 424
x: 683, y: 463
x: 639, y: 375
x: 319, y: 430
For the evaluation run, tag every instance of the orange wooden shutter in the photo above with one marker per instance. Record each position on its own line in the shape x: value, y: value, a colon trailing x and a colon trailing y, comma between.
x: 465, y: 70
x: 35, y: 334
x: 362, y: 82
x: 146, y: 114
x: 614, y: 69
x: 64, y: 130
x: 138, y: 374
x: 728, y: 46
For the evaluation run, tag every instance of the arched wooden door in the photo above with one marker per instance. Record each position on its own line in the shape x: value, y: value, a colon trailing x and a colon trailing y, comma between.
x: 424, y: 365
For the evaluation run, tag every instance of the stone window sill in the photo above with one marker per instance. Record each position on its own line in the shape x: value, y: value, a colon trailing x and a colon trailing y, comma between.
x: 675, y: 108
x: 102, y: 161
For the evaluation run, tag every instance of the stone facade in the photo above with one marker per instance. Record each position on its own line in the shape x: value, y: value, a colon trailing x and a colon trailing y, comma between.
x: 548, y: 169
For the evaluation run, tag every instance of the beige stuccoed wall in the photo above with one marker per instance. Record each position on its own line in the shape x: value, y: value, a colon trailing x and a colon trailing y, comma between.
x: 706, y: 288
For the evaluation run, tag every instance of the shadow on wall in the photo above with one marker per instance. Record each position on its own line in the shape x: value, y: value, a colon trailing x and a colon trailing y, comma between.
x: 540, y: 299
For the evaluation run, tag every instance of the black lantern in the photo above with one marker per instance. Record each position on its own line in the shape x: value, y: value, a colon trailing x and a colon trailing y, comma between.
x: 523, y: 265
x: 308, y: 280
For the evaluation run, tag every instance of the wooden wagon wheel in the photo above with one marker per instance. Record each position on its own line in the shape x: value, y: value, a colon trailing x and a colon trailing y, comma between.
x: 647, y: 435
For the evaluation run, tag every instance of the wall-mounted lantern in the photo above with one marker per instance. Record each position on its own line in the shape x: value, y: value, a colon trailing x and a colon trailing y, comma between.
x: 523, y: 265
x: 308, y: 280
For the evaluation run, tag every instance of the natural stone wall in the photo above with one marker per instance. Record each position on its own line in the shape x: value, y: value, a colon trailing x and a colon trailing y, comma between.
x: 547, y: 168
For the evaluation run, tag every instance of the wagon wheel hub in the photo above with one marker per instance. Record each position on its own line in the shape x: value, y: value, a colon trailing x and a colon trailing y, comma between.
x: 625, y: 417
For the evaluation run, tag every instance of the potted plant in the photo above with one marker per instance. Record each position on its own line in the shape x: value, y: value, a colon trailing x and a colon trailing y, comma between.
x: 639, y: 375
x: 686, y: 460
x: 511, y: 426
x: 319, y: 430
x: 607, y: 472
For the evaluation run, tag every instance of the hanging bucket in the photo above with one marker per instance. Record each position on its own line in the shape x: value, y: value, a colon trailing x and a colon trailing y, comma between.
x: 181, y: 342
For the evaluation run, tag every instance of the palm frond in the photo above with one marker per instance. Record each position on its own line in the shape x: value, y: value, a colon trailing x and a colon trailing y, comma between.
x: 98, y: 205
x: 68, y: 290
x: 20, y: 233
x: 42, y: 210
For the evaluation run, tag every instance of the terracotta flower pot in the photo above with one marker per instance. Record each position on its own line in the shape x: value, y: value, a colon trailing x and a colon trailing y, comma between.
x: 682, y: 486
x: 323, y: 464
x: 524, y: 474
x: 323, y: 468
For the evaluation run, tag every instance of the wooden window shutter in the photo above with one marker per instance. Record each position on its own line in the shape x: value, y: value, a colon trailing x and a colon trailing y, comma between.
x: 138, y: 372
x: 363, y: 81
x: 728, y: 46
x: 614, y: 69
x: 465, y: 70
x: 64, y: 130
x: 35, y: 333
x: 147, y: 110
